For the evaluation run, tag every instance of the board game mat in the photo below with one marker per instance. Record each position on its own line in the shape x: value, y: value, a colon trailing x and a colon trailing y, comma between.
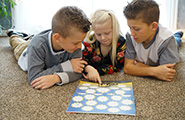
x: 111, y: 97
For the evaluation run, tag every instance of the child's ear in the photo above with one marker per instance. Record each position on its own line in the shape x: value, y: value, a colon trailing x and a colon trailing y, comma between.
x: 154, y: 26
x: 56, y: 37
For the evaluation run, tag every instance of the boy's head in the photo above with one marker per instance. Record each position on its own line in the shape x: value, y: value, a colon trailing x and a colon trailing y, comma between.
x: 146, y: 10
x: 69, y: 28
x: 67, y: 18
x: 142, y: 18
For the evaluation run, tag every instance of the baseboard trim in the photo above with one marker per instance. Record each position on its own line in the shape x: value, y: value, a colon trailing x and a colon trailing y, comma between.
x: 3, y: 33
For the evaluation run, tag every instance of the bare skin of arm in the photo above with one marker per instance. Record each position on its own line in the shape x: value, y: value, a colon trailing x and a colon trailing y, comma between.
x: 46, y: 81
x: 92, y: 74
x: 162, y: 72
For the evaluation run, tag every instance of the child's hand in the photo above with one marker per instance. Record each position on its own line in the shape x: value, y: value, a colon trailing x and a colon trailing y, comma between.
x: 78, y: 64
x: 92, y: 74
x: 46, y: 81
x: 165, y: 72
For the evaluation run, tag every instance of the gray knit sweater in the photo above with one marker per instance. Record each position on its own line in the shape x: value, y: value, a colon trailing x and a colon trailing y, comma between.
x: 39, y: 59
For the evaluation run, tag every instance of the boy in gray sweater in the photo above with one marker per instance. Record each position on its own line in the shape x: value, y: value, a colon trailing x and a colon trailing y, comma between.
x: 54, y: 56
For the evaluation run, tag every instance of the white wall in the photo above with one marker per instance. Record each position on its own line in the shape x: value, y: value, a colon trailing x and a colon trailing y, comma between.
x: 33, y: 16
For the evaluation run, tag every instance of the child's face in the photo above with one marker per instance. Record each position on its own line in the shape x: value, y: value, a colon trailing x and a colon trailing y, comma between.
x: 103, y: 32
x: 140, y: 31
x: 73, y: 42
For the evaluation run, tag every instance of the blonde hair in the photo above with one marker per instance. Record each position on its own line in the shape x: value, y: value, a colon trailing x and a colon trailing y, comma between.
x: 100, y: 16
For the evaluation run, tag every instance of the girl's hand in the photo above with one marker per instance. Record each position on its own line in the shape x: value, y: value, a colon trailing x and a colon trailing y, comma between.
x: 92, y: 74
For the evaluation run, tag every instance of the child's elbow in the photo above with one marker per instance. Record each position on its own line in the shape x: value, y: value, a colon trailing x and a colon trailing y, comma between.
x: 125, y: 69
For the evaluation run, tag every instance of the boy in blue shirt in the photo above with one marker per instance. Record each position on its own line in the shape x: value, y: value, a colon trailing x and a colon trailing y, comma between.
x: 54, y: 56
x: 151, y: 48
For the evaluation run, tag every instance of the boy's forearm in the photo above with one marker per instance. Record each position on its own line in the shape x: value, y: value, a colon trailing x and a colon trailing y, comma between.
x: 132, y: 67
x: 142, y: 70
x: 67, y: 77
x: 162, y: 72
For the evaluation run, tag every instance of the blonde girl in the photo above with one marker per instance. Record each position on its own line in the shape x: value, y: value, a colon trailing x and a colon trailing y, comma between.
x: 104, y: 45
